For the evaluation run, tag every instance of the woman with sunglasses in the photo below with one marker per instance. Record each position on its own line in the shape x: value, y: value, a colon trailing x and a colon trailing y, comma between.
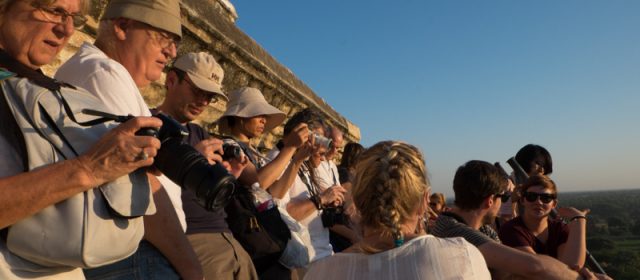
x: 535, y: 232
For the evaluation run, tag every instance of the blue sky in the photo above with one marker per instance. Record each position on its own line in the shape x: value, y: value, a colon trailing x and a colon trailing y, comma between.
x: 470, y: 80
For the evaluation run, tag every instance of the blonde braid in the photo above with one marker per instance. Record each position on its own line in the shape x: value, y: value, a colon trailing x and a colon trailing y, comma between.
x: 390, y: 183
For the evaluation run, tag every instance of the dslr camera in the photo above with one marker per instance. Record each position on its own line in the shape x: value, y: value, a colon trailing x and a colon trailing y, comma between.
x: 332, y: 216
x: 187, y: 167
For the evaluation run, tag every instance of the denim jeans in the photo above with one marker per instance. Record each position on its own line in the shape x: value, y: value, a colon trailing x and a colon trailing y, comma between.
x: 147, y: 263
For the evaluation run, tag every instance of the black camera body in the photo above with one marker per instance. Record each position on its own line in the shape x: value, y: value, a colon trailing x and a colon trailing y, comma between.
x: 334, y: 216
x: 230, y: 152
x: 188, y: 168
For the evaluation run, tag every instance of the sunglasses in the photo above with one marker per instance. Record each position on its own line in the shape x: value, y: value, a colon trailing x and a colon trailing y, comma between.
x: 544, y: 197
x: 503, y: 196
x: 433, y: 204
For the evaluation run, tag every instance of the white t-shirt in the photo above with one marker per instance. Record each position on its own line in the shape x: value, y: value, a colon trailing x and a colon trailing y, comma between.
x: 318, y: 234
x: 327, y: 174
x: 424, y: 257
x: 110, y: 82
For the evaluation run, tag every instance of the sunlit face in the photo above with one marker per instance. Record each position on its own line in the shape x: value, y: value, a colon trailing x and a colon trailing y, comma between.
x: 538, y: 209
x: 333, y: 150
x: 141, y: 53
x: 185, y: 100
x: 29, y: 37
x: 253, y: 127
x: 317, y: 158
x: 537, y: 166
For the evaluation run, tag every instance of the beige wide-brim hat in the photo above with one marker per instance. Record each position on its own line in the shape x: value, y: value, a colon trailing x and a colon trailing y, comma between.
x: 249, y: 102
x: 163, y: 14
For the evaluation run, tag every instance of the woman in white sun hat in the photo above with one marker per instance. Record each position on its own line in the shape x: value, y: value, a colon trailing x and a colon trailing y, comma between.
x: 248, y: 115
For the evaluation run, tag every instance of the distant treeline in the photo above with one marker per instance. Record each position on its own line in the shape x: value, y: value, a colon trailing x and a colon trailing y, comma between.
x: 605, y: 204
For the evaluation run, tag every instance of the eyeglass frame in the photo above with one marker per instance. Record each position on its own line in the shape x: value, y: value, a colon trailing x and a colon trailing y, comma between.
x: 163, y: 35
x: 548, y: 197
x: 64, y: 14
x: 200, y: 93
x: 504, y: 197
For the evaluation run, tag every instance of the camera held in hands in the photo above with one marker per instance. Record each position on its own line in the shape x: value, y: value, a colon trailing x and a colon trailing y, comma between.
x: 230, y: 152
x: 187, y: 167
x: 332, y: 216
x: 325, y: 142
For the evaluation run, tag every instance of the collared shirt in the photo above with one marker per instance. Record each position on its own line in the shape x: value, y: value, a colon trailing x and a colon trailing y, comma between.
x: 327, y: 174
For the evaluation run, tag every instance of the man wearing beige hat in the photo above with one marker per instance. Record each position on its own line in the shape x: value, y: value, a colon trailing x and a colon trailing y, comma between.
x: 195, y: 81
x: 135, y: 40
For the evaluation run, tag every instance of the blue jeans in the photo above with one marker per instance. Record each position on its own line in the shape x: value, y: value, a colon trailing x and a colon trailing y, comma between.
x: 147, y: 263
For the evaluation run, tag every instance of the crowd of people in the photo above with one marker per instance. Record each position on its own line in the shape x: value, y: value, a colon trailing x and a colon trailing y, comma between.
x: 81, y: 197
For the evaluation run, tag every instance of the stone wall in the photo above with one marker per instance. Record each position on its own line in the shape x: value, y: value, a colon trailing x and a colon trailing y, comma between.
x: 208, y: 25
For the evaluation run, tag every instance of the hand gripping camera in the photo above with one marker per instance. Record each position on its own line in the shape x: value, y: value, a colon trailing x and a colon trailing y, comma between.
x: 185, y: 166
x: 182, y: 163
x: 334, y: 216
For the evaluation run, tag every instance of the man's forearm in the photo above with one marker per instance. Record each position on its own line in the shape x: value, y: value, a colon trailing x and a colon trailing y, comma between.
x: 280, y: 187
x: 528, y: 265
x: 301, y: 210
x: 164, y: 231
x: 269, y: 173
x: 26, y: 194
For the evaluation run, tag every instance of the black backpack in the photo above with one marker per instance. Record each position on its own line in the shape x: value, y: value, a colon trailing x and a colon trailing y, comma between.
x: 264, y: 235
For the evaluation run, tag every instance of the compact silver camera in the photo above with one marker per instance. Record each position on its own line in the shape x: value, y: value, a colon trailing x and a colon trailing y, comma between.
x: 325, y: 142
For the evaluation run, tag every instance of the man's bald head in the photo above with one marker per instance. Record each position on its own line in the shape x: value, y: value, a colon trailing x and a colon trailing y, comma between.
x: 336, y: 135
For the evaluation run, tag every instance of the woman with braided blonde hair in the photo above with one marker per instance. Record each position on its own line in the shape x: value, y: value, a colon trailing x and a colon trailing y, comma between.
x: 391, y: 191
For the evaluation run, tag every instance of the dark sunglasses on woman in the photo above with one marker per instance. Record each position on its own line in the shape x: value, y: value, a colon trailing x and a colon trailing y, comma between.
x: 544, y: 197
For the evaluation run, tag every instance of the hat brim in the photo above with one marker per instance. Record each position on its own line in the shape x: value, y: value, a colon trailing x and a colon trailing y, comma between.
x: 156, y: 18
x: 208, y: 86
x: 250, y: 110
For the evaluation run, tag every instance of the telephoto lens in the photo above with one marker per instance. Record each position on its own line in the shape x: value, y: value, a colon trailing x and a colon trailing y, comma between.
x: 185, y: 166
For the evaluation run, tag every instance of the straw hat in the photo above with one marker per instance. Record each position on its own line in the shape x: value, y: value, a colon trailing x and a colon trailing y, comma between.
x: 249, y: 102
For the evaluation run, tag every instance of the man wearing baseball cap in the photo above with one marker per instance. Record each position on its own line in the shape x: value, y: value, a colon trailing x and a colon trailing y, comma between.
x: 195, y: 81
x: 135, y: 40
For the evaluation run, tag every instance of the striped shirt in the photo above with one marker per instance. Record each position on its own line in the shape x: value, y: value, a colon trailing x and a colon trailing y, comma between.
x: 452, y: 225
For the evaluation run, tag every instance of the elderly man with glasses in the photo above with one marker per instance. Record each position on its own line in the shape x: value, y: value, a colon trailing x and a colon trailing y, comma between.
x: 135, y: 40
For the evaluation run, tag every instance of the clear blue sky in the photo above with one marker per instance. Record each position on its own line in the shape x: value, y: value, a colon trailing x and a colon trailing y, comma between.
x: 470, y: 80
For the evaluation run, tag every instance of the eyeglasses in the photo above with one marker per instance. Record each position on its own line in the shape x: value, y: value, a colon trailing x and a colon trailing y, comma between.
x: 544, y: 197
x: 201, y: 94
x: 163, y: 38
x: 59, y: 15
x: 433, y: 204
x: 503, y: 196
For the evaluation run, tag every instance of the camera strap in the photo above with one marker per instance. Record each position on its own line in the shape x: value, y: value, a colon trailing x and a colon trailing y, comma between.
x: 314, y: 192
